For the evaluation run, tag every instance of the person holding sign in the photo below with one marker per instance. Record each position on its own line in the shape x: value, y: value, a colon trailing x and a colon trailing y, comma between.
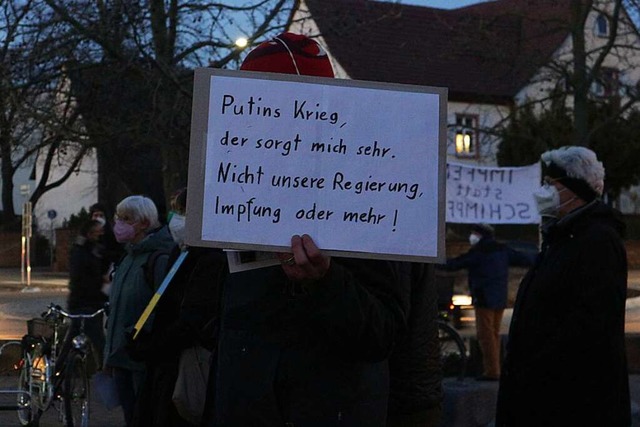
x: 566, y: 359
x: 488, y: 264
x: 137, y: 226
x: 305, y: 342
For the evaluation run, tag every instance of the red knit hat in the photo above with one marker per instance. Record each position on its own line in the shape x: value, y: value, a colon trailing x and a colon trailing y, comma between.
x: 289, y: 53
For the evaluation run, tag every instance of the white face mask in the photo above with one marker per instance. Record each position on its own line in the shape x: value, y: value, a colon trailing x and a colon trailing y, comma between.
x: 101, y: 220
x: 547, y: 200
x: 474, y: 239
x: 176, y: 227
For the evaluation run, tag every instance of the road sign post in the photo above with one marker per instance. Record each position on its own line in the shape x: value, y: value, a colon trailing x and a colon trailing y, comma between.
x: 26, y: 243
x: 27, y: 227
x: 51, y: 214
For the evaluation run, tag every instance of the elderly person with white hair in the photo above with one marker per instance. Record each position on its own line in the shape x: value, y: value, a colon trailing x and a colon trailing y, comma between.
x: 566, y: 360
x: 138, y: 228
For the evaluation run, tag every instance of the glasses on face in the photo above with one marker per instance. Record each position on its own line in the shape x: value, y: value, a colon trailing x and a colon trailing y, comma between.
x: 551, y: 181
x: 124, y: 218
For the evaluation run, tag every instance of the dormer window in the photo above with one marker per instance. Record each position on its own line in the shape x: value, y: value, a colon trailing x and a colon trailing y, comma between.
x: 466, y: 137
x: 602, y: 26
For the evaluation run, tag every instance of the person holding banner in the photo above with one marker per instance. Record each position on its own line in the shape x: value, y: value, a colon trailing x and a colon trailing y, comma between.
x: 305, y: 342
x: 566, y: 359
x: 488, y: 264
x: 138, y: 227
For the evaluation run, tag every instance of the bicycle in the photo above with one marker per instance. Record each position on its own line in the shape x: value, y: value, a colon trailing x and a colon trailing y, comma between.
x: 453, y: 352
x: 48, y: 377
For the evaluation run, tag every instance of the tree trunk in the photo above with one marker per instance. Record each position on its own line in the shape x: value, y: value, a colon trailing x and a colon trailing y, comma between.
x: 8, y: 214
x: 581, y: 82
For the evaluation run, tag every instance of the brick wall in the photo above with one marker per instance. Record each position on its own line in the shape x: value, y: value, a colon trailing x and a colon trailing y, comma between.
x: 10, y: 249
x: 64, y: 240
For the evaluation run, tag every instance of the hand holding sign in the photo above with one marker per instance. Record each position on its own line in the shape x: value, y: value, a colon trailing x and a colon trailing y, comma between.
x: 308, y: 261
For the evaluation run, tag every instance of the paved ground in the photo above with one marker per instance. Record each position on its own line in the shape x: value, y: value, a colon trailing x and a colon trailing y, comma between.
x: 472, y: 404
x: 41, y: 278
x: 100, y: 416
x: 19, y: 302
x: 466, y: 403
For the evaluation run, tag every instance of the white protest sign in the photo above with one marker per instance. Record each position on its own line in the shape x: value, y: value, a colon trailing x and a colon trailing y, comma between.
x: 491, y: 194
x: 359, y: 166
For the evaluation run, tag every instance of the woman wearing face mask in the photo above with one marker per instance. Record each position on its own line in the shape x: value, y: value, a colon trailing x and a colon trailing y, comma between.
x: 137, y: 227
x: 113, y: 250
x: 488, y: 263
x: 189, y: 303
x: 566, y: 358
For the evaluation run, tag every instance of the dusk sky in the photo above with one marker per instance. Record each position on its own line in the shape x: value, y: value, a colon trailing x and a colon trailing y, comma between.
x: 443, y: 4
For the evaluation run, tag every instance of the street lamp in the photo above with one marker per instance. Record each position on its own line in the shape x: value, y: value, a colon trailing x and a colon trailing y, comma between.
x: 241, y: 42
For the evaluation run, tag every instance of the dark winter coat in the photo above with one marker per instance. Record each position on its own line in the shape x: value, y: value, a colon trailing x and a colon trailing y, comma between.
x: 190, y: 302
x: 308, y: 355
x: 129, y: 296
x: 85, y: 277
x: 566, y: 361
x: 488, y: 263
x: 415, y: 367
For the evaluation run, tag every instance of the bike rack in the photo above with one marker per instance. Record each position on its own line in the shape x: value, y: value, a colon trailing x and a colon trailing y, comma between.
x: 16, y: 392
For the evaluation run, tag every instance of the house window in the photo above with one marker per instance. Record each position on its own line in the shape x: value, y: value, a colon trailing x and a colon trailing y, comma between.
x: 602, y: 26
x: 607, y: 84
x: 466, y: 138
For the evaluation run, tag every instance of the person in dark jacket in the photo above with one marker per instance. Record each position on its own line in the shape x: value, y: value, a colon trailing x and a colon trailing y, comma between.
x: 305, y: 343
x: 190, y: 302
x: 566, y: 360
x: 488, y: 264
x: 415, y: 368
x: 86, y: 275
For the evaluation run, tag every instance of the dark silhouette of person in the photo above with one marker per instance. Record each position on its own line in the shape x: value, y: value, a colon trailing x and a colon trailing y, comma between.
x: 566, y: 360
x: 488, y: 264
x: 86, y: 276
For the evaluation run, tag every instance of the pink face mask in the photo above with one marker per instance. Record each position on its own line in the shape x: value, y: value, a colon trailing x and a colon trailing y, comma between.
x: 123, y: 231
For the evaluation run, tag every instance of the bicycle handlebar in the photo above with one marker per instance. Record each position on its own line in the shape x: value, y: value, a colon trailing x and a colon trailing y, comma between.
x: 56, y: 309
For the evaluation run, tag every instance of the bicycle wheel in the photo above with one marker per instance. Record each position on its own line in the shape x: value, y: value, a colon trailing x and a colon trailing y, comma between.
x: 40, y: 381
x: 453, y: 353
x: 76, y: 392
x: 28, y: 415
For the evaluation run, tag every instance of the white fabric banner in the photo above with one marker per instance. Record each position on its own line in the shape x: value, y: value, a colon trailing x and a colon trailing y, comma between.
x: 492, y: 195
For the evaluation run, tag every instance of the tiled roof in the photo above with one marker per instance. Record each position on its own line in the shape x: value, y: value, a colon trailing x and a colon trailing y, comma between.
x: 484, y: 51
